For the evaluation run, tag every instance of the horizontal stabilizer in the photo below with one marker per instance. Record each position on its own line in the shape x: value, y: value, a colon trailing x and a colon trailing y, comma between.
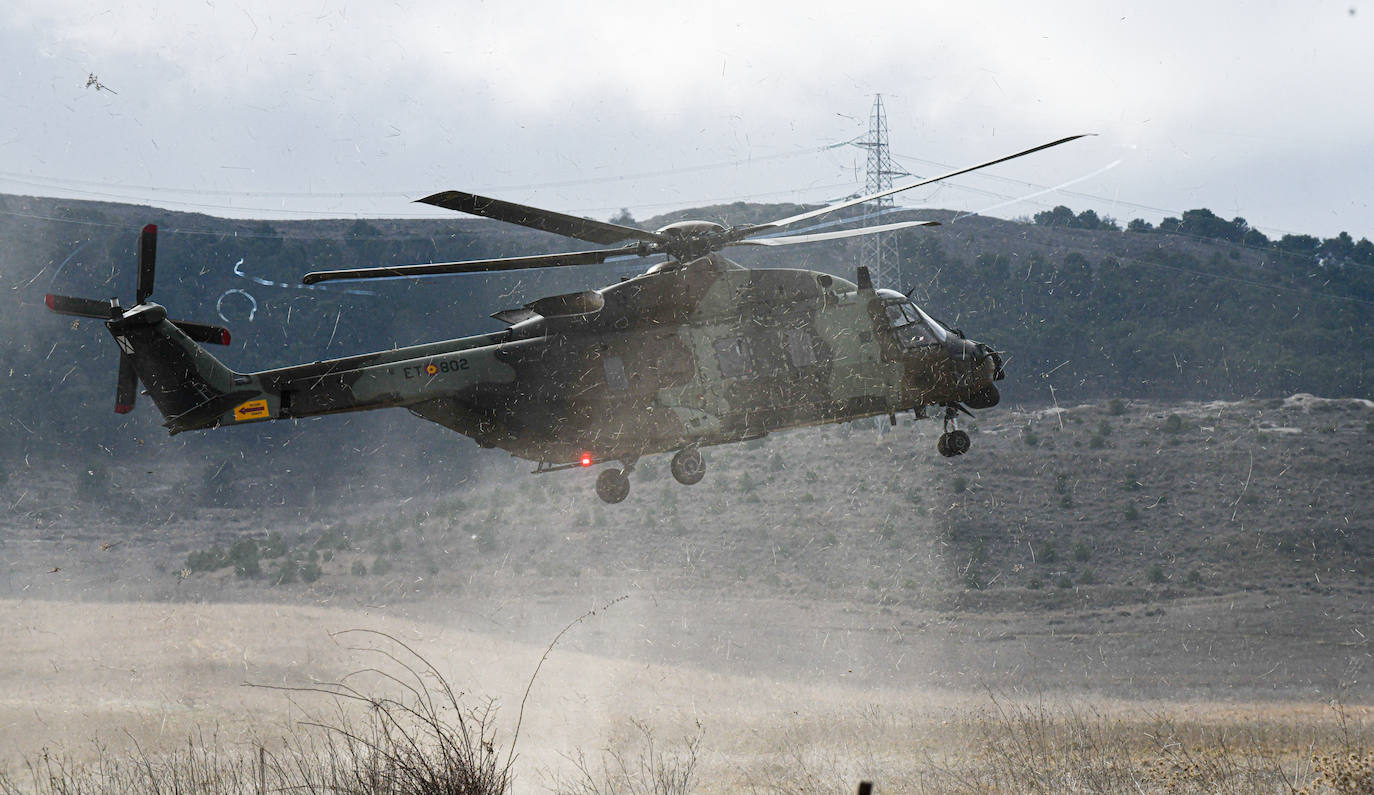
x: 204, y: 332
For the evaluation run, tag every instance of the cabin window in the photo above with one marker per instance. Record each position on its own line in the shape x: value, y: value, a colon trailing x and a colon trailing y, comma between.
x: 733, y: 357
x: 914, y: 335
x: 906, y: 323
x: 801, y: 347
x: 910, y: 328
x: 615, y: 374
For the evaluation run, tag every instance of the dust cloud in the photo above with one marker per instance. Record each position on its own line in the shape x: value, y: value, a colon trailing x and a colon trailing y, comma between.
x: 806, y: 614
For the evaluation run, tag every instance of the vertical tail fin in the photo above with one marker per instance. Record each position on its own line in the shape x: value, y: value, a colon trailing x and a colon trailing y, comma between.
x: 190, y: 387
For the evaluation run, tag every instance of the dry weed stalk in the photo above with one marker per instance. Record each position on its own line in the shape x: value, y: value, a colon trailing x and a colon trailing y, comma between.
x: 645, y: 770
x: 427, y: 740
x: 430, y: 740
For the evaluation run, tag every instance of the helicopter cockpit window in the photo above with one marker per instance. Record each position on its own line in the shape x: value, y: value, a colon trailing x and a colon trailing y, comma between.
x: 906, y: 323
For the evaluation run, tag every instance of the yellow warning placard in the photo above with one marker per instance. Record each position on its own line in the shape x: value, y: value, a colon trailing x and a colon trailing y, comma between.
x: 251, y: 410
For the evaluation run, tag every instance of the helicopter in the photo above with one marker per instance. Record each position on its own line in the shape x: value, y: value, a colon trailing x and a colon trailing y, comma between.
x: 693, y: 352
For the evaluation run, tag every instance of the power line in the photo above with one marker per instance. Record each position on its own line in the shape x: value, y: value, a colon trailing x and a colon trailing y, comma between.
x: 1112, y: 201
x: 1132, y: 260
x: 37, y: 180
x: 430, y: 214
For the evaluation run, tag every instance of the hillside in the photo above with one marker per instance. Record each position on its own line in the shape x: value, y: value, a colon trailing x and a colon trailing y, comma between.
x: 1084, y: 314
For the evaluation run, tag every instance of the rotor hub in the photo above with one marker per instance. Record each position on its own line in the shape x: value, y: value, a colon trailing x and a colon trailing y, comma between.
x: 691, y: 239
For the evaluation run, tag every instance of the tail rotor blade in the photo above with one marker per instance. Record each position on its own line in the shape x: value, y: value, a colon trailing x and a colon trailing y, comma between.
x: 79, y: 307
x: 127, y: 390
x: 147, y: 259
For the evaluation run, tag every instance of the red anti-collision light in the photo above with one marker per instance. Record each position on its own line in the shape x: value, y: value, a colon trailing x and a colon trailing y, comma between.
x: 586, y: 460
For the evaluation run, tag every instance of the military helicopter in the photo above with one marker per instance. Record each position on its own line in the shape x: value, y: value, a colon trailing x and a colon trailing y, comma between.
x: 695, y: 351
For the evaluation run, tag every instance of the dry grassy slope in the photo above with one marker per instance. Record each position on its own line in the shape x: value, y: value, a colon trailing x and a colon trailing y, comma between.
x: 1250, y: 495
x: 1245, y: 495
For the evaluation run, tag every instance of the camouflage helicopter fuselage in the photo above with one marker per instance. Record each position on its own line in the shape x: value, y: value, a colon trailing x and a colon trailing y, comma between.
x: 685, y: 355
x: 695, y: 351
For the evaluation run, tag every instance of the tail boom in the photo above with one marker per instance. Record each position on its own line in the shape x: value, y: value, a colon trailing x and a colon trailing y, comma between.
x: 194, y: 391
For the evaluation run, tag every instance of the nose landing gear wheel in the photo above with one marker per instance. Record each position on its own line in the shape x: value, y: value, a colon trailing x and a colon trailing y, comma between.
x: 612, y: 485
x: 688, y: 466
x: 953, y: 443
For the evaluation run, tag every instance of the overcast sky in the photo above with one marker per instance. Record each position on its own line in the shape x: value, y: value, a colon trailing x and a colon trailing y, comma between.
x: 243, y: 108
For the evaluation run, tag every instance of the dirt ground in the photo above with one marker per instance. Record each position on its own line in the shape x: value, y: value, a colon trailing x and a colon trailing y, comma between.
x: 852, y: 699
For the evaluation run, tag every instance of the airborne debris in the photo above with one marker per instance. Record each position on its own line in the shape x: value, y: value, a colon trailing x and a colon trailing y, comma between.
x: 94, y: 82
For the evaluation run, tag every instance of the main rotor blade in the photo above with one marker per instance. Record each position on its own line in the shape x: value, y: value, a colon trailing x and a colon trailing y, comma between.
x: 594, y: 257
x: 830, y: 208
x: 147, y: 261
x: 543, y: 220
x: 80, y: 307
x: 866, y: 230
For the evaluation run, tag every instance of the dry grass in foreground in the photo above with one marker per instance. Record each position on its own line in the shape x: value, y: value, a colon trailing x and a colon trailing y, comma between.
x: 1024, y: 748
x: 400, y: 727
x: 430, y: 741
x: 423, y: 737
x: 1009, y: 747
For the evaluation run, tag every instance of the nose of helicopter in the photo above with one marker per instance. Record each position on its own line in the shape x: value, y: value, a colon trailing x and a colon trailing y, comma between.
x: 962, y: 350
x: 981, y: 359
x: 982, y: 366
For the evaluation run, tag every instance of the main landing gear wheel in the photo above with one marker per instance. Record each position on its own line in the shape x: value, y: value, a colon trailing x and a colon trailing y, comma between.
x: 688, y: 466
x: 953, y: 443
x: 612, y: 485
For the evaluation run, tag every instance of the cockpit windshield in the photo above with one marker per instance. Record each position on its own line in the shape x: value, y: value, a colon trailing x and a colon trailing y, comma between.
x: 912, y: 326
